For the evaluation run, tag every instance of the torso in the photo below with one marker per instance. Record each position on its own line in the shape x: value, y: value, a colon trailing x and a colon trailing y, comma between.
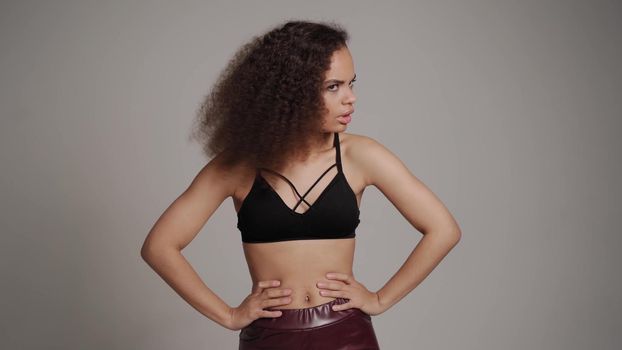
x: 300, y: 264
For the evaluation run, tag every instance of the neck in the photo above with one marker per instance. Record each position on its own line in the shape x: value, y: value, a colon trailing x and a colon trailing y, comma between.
x: 319, y: 144
x: 323, y: 142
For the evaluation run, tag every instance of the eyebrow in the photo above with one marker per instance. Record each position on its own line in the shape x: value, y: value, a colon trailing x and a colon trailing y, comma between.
x: 337, y: 80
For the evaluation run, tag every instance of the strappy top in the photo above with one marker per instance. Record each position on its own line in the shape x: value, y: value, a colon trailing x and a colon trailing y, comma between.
x: 265, y: 217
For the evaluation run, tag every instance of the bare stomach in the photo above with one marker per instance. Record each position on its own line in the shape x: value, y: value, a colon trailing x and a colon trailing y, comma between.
x: 299, y: 265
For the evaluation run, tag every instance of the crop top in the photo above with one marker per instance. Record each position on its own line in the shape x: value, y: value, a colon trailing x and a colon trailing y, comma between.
x: 265, y: 217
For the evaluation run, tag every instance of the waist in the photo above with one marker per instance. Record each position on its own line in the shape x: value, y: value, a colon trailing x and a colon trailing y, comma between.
x: 304, y: 290
x: 309, y: 317
x: 299, y: 265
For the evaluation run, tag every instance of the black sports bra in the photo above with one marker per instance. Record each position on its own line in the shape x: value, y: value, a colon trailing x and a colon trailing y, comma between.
x: 264, y: 216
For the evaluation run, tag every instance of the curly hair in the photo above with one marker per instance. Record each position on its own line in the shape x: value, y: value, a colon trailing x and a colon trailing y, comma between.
x: 267, y: 103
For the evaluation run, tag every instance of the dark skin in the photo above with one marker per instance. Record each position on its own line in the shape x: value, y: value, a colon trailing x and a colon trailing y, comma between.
x: 304, y: 273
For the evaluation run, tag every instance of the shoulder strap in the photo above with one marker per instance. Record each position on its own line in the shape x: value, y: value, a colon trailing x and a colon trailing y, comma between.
x: 337, y: 151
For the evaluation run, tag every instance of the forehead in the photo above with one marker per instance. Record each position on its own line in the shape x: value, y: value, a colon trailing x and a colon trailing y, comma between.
x: 341, y: 64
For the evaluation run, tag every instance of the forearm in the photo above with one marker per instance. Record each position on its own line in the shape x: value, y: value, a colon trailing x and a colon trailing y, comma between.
x: 428, y: 253
x: 173, y: 267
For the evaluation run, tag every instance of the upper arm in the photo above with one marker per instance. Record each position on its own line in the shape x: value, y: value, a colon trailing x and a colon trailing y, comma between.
x: 411, y: 197
x: 185, y: 217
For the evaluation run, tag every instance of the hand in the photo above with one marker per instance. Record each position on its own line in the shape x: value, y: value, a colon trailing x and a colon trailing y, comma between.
x: 264, y: 295
x: 345, y: 286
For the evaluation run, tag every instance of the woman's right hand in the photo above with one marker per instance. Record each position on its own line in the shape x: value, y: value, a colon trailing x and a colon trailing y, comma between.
x: 264, y: 295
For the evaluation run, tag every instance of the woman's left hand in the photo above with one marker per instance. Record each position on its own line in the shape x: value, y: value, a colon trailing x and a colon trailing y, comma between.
x: 342, y: 285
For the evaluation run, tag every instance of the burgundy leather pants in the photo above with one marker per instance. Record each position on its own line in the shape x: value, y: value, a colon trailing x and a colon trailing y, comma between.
x: 317, y: 327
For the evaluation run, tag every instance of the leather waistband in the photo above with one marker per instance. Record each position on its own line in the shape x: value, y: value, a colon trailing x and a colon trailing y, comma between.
x: 310, y: 317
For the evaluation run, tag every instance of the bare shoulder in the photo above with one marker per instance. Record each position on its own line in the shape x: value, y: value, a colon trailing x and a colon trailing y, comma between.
x: 358, y: 141
x: 380, y: 167
x: 369, y: 157
x: 185, y: 217
x: 220, y: 179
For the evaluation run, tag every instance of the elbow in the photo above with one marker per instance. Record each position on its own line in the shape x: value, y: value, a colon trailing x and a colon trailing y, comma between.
x: 152, y: 250
x: 146, y: 251
x: 456, y: 236
x: 453, y: 233
x: 450, y: 237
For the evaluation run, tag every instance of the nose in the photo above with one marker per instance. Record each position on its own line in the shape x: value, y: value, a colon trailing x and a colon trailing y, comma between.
x: 350, y: 97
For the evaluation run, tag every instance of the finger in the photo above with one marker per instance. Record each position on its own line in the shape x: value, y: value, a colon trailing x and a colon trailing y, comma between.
x: 344, y: 306
x: 273, y: 293
x: 339, y: 276
x: 275, y: 302
x: 331, y: 285
x: 333, y: 293
x: 266, y: 284
x: 266, y: 313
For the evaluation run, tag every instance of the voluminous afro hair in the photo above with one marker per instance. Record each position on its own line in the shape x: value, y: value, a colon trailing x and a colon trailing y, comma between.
x: 267, y: 102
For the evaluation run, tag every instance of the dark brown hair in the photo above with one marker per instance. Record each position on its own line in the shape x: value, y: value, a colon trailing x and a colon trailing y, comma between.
x: 267, y: 102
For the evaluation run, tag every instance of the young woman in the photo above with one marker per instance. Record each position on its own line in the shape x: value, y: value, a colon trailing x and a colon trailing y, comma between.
x: 275, y: 125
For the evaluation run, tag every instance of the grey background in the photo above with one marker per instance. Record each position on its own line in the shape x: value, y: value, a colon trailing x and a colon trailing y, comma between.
x: 510, y: 111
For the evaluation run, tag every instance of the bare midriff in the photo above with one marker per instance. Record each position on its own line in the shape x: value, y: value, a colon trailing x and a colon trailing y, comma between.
x: 299, y: 265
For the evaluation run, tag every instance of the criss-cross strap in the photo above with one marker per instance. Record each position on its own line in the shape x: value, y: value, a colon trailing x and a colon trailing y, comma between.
x: 289, y: 182
x: 310, y: 188
x: 302, y: 197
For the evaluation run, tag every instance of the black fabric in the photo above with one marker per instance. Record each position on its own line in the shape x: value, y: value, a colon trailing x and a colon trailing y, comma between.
x: 264, y: 216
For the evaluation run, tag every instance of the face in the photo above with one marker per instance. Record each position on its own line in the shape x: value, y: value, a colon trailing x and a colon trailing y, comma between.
x: 337, y: 91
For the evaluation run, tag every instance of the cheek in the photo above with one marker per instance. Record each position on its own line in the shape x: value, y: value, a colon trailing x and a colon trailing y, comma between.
x: 328, y: 120
x: 331, y: 103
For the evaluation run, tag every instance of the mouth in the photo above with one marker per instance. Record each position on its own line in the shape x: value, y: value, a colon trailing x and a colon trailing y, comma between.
x: 345, y: 118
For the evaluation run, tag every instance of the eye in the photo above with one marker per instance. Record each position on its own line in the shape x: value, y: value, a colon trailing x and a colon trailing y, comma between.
x: 330, y: 87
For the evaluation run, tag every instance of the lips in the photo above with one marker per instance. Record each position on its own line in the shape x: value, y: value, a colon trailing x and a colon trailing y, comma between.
x: 345, y: 118
x: 347, y: 113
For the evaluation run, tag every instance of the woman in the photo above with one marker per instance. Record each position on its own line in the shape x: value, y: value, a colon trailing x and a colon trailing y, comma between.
x: 275, y: 123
